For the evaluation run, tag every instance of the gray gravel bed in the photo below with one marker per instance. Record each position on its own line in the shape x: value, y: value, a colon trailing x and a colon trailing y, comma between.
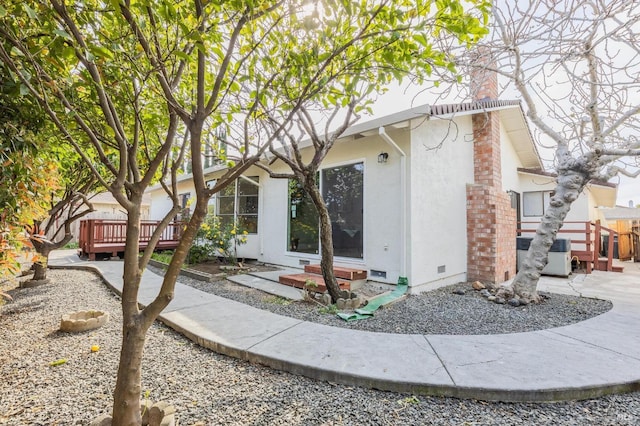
x: 211, y: 389
x: 435, y: 312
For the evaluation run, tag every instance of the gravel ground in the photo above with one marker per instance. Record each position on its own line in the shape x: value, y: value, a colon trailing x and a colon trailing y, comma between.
x: 436, y: 312
x: 211, y: 389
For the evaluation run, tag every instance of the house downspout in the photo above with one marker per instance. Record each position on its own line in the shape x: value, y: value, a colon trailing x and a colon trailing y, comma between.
x: 260, y: 196
x: 403, y: 203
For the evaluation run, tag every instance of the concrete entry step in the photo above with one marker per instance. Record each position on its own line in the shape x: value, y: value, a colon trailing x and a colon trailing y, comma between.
x: 350, y: 274
x: 299, y: 281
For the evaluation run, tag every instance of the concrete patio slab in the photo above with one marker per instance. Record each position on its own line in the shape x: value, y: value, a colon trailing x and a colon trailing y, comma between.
x: 331, y: 353
x: 264, y: 281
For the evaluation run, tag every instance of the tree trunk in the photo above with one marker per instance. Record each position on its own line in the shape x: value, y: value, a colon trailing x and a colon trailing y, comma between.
x: 126, y: 398
x: 43, y: 248
x: 126, y: 404
x: 127, y: 394
x: 326, y: 242
x: 40, y: 267
x: 570, y: 184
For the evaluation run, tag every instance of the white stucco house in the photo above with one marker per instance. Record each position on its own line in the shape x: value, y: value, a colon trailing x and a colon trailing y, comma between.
x: 434, y: 193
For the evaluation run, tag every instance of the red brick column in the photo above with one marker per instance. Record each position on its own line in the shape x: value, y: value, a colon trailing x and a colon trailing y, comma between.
x: 491, y: 221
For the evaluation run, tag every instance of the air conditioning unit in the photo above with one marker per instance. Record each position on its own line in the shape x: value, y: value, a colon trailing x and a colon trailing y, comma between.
x: 559, y: 262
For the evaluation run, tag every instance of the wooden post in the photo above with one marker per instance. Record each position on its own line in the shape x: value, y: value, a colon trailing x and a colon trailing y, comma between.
x: 610, y: 252
x: 596, y: 243
x: 91, y: 239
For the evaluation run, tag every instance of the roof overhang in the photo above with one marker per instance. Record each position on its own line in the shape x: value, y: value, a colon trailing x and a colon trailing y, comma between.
x: 604, y: 193
x: 511, y: 116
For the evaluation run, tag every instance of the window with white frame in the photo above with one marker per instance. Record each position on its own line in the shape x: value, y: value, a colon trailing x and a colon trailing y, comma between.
x: 237, y: 203
x: 535, y: 203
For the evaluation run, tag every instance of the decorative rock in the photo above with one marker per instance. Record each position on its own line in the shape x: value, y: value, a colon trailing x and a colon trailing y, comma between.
x: 485, y: 293
x: 341, y: 303
x: 514, y: 302
x: 490, y: 286
x: 524, y: 302
x: 499, y: 301
x: 355, y: 302
x: 459, y: 292
x: 169, y: 420
x: 160, y: 412
x: 477, y: 285
x: 491, y: 298
x: 83, y: 320
x: 103, y: 420
x: 326, y: 299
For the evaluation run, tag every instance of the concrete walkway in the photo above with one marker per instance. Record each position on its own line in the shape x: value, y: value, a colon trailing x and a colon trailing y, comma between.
x: 584, y: 360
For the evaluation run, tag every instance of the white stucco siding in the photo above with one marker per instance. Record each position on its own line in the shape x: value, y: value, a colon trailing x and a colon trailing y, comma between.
x: 509, y: 160
x: 438, y: 201
x: 381, y: 210
x: 161, y: 203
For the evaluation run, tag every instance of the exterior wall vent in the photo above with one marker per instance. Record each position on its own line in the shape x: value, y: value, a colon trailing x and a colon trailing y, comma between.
x: 303, y: 262
x: 442, y: 269
x: 378, y: 274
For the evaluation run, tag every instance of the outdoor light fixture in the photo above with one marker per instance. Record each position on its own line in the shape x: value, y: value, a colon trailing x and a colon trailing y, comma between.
x: 382, y: 157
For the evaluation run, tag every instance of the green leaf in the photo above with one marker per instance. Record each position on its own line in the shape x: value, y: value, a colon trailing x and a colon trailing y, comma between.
x: 17, y: 52
x: 62, y: 33
x: 101, y: 52
x: 3, y: 12
x: 32, y: 13
x: 58, y: 362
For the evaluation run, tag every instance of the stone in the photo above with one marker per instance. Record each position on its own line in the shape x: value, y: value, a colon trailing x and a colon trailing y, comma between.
x: 514, y: 302
x: 477, y: 285
x: 499, y: 301
x: 326, y: 299
x: 490, y: 286
x: 524, y: 302
x: 159, y: 411
x: 355, y: 302
x: 459, y: 292
x: 103, y: 420
x: 169, y: 420
x: 491, y: 298
x: 485, y: 293
x: 341, y: 303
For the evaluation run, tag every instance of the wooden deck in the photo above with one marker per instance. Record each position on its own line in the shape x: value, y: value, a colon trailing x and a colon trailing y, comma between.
x: 586, y: 243
x: 101, y: 236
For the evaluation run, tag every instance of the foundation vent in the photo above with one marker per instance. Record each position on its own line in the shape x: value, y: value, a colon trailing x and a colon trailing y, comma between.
x: 378, y: 274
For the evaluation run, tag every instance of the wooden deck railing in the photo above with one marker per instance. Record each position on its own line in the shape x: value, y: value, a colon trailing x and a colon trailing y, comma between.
x: 586, y: 242
x: 103, y: 236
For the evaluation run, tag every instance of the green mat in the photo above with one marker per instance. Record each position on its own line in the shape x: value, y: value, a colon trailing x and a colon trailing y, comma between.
x: 373, y: 305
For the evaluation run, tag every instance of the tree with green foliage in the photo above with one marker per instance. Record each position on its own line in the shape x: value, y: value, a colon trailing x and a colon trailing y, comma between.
x: 26, y: 173
x: 413, y: 41
x: 141, y: 85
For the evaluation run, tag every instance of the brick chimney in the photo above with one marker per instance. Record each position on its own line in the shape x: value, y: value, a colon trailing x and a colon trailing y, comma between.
x: 491, y: 221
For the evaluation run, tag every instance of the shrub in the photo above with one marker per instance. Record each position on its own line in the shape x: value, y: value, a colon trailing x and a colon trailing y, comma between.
x: 222, y: 239
x: 198, y: 254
